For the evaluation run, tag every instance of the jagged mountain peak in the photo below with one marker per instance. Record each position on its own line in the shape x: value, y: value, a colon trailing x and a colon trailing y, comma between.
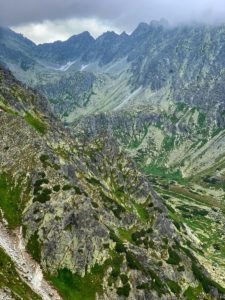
x: 82, y: 35
x: 124, y: 34
x: 6, y: 32
x: 141, y: 29
x: 108, y: 34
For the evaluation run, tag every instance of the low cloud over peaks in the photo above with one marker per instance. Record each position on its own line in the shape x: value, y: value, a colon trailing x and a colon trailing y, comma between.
x: 117, y: 15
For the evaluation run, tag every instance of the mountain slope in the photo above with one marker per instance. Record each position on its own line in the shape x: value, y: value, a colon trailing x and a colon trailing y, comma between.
x: 182, y: 152
x: 162, y: 63
x: 87, y: 214
x: 62, y: 52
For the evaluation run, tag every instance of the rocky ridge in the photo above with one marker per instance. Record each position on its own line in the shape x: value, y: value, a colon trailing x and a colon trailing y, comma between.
x: 87, y: 214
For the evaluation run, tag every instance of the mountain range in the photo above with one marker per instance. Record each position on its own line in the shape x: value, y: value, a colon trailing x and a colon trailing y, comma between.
x: 113, y: 165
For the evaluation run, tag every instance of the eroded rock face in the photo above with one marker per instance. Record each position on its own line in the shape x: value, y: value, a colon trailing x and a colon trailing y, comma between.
x: 87, y: 214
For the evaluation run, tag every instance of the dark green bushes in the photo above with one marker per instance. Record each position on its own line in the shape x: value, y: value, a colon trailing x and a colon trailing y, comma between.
x: 44, y: 158
x: 174, y: 258
x: 143, y: 286
x: 124, y: 278
x: 93, y: 181
x: 41, y: 194
x: 56, y: 188
x: 44, y: 196
x: 124, y: 291
x: 34, y: 247
x: 132, y: 262
x: 67, y: 187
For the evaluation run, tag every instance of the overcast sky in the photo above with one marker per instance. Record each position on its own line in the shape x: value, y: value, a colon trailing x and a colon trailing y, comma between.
x: 49, y: 20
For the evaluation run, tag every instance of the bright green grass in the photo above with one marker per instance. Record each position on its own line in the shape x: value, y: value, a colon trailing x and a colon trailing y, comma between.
x: 141, y: 212
x: 193, y: 293
x: 74, y: 287
x: 36, y: 123
x: 8, y: 110
x: 10, y: 200
x: 125, y: 234
x: 162, y: 172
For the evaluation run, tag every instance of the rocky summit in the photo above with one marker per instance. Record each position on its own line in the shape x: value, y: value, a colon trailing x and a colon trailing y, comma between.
x: 112, y: 165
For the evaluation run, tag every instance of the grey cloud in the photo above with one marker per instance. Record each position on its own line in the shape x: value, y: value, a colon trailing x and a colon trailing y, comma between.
x: 121, y: 13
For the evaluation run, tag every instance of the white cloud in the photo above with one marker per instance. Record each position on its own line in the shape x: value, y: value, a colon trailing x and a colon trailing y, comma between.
x: 49, y: 31
x: 68, y: 17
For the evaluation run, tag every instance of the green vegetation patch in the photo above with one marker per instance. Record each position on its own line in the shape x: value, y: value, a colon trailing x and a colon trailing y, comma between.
x: 11, y: 201
x: 44, y: 196
x: 174, y: 258
x: 157, y: 171
x: 36, y: 123
x: 143, y: 286
x: 56, y: 188
x: 74, y: 287
x: 8, y: 110
x: 141, y: 237
x: 124, y: 291
x: 41, y: 194
x: 125, y: 234
x: 44, y: 158
x: 112, y: 205
x: 120, y: 248
x: 67, y: 187
x: 117, y: 260
x: 181, y: 106
x: 157, y: 283
x: 168, y: 143
x: 193, y: 293
x: 142, y: 212
x: 201, y: 119
x: 133, y: 262
x: 93, y: 181
x: 34, y: 247
x: 174, y: 286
